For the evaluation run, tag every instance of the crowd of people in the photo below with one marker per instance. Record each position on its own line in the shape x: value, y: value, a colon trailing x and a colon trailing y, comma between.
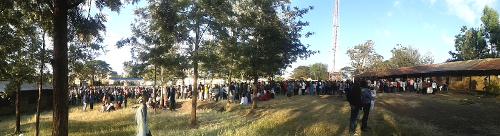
x: 360, y: 94
x: 410, y: 85
x: 114, y: 97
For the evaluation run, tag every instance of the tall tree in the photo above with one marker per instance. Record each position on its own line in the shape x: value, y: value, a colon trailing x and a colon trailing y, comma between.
x: 363, y: 56
x: 407, y: 56
x: 84, y: 28
x: 470, y: 44
x: 319, y: 71
x: 18, y: 49
x: 491, y: 25
x: 95, y: 69
x: 301, y: 72
x: 347, y: 72
x: 268, y: 41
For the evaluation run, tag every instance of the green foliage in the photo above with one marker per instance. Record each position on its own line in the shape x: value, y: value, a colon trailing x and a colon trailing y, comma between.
x: 133, y: 69
x: 19, y: 47
x: 491, y: 25
x: 493, y: 89
x: 479, y: 43
x: 363, y: 57
x: 470, y: 44
x: 301, y: 72
x: 406, y: 56
x: 316, y: 71
x: 347, y: 72
x: 269, y: 42
x: 157, y: 30
x: 319, y: 71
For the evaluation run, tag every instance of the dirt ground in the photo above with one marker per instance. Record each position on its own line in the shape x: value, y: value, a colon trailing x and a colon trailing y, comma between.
x: 452, y: 114
x: 395, y: 114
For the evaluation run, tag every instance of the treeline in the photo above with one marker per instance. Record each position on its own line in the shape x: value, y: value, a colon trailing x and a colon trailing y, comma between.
x: 316, y: 71
x: 171, y: 39
x: 364, y: 58
x: 478, y: 42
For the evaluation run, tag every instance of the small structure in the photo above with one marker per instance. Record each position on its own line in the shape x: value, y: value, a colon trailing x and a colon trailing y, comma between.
x: 29, y: 97
x: 126, y: 81
x: 334, y: 76
x: 471, y: 75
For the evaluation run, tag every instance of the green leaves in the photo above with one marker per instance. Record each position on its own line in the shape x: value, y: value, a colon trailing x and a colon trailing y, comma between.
x: 470, y: 44
x: 363, y: 56
x: 319, y: 71
x: 478, y: 43
x: 407, y: 56
x: 301, y: 72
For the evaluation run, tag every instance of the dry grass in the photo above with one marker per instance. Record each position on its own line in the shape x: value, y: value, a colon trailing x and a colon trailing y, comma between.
x: 299, y: 115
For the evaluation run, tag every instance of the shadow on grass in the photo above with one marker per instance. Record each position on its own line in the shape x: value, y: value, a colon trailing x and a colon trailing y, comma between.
x: 443, y: 112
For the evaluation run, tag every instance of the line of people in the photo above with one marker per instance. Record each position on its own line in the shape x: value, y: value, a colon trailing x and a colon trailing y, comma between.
x: 410, y: 85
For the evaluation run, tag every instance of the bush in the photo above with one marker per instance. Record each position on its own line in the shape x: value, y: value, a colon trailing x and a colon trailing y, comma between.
x: 493, y: 89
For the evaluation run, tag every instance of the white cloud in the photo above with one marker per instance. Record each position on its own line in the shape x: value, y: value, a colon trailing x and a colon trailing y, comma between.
x: 389, y: 14
x: 396, y: 3
x: 468, y: 10
x: 431, y: 2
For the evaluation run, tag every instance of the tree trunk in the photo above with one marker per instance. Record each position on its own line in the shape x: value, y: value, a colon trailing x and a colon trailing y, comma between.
x: 229, y: 100
x: 254, y: 90
x: 230, y: 78
x: 194, y: 99
x: 40, y: 88
x: 18, y: 109
x: 60, y: 68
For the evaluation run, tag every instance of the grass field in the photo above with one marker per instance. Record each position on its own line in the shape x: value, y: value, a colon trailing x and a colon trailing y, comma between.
x: 394, y: 114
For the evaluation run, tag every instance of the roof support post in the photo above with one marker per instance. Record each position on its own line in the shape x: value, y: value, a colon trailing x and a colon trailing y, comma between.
x: 470, y: 84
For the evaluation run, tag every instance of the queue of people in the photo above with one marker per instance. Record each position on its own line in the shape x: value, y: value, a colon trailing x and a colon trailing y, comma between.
x: 410, y: 85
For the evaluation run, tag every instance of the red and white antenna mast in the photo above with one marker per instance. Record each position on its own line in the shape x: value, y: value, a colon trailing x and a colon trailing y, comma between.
x: 336, y: 26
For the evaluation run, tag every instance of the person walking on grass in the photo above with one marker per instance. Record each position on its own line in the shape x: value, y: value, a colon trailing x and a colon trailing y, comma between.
x: 359, y: 97
x: 84, y: 100
x: 141, y: 118
x: 171, y: 98
x: 91, y: 99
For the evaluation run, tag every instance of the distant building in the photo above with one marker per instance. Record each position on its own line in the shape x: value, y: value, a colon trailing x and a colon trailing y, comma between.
x: 126, y: 81
x: 335, y: 76
x: 29, y: 97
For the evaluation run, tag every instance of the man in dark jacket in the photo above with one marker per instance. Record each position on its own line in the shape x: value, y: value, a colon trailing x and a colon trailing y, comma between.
x: 358, y: 100
x: 354, y: 99
x: 171, y: 97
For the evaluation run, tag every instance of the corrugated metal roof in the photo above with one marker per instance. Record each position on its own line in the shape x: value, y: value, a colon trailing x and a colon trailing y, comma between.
x: 491, y: 64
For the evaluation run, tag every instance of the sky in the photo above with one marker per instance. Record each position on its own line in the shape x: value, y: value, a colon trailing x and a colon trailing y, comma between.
x: 428, y: 25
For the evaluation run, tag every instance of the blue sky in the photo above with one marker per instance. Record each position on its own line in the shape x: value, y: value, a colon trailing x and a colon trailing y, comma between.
x: 428, y: 25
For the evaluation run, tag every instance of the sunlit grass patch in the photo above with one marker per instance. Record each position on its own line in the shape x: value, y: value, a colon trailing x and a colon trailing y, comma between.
x: 297, y: 115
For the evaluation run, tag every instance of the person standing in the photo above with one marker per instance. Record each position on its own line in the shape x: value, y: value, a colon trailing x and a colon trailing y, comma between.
x: 171, y: 98
x: 141, y: 118
x: 354, y: 99
x: 84, y: 100
x: 91, y: 99
x: 367, y: 98
x: 359, y: 97
x: 434, y: 87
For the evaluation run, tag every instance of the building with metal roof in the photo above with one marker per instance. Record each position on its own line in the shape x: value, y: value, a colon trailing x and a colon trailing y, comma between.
x: 471, y: 75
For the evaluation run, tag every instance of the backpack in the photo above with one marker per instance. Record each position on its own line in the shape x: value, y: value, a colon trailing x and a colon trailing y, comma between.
x: 366, y: 96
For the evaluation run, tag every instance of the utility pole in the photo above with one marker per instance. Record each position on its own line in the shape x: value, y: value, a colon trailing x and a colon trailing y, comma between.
x: 336, y: 26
